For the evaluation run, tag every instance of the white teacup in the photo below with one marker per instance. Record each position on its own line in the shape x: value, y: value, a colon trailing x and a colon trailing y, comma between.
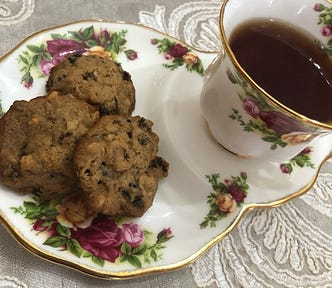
x: 234, y: 117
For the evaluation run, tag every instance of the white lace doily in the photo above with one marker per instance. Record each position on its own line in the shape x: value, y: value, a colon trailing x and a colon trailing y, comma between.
x: 11, y: 282
x: 14, y: 11
x: 288, y: 246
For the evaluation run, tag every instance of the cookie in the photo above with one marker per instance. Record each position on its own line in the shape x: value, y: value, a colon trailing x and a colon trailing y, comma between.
x: 37, y: 140
x: 117, y: 165
x: 74, y: 210
x: 96, y: 80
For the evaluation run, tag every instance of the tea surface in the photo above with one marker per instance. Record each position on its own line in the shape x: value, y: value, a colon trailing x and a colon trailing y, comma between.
x: 288, y: 64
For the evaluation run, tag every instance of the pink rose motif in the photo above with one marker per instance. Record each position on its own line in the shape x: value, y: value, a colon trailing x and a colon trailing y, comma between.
x: 102, y: 238
x: 281, y: 123
x: 63, y: 48
x: 285, y: 168
x: 319, y: 7
x: 46, y: 66
x: 178, y: 51
x: 59, y: 50
x: 131, y: 54
x: 237, y: 193
x: 154, y: 41
x: 244, y: 175
x: 42, y: 225
x: 326, y: 31
x: 104, y: 34
x: 305, y: 151
x: 132, y: 234
x: 39, y: 225
x: 164, y: 235
x: 27, y: 80
x: 251, y: 107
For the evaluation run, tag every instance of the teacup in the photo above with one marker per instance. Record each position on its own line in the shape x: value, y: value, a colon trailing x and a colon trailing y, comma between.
x: 243, y: 117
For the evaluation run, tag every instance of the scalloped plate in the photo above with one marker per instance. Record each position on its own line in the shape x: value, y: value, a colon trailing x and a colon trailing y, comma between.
x: 207, y: 191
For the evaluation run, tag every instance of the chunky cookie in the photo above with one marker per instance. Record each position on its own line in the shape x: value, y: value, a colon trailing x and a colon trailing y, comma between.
x: 118, y: 167
x: 37, y: 139
x: 97, y: 80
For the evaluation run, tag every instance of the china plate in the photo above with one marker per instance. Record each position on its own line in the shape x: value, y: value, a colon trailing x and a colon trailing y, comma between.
x: 207, y: 191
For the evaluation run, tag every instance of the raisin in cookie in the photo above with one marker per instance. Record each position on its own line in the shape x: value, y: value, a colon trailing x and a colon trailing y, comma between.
x: 97, y: 80
x: 118, y: 167
x: 37, y: 139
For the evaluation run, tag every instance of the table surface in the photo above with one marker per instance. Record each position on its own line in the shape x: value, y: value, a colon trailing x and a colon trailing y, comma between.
x: 287, y: 246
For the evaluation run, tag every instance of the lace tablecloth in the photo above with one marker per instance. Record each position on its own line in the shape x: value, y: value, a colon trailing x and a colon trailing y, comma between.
x: 288, y: 246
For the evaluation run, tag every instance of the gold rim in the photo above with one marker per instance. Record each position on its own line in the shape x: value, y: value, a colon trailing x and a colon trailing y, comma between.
x: 36, y: 250
x: 239, y: 68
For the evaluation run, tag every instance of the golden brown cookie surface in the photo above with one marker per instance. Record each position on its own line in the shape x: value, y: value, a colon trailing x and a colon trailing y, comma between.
x: 118, y: 167
x: 96, y: 80
x: 37, y: 139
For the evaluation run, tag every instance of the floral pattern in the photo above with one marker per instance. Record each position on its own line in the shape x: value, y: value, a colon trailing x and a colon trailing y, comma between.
x: 300, y: 160
x: 105, y: 239
x: 325, y: 19
x: 275, y: 127
x: 37, y: 60
x: 178, y: 55
x: 225, y: 198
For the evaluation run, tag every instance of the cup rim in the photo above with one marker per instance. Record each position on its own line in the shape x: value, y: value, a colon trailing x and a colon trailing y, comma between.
x: 245, y: 75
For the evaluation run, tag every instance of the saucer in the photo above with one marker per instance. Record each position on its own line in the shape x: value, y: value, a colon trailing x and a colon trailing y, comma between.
x: 208, y: 189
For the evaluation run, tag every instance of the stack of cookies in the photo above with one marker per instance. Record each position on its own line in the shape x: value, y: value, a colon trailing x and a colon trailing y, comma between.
x: 81, y: 139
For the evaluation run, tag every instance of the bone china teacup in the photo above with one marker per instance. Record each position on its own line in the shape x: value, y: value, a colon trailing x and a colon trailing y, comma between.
x: 243, y: 117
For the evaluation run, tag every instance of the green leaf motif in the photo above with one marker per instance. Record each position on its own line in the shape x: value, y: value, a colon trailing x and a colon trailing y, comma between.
x: 271, y: 139
x: 91, y: 43
x: 301, y: 160
x: 125, y: 248
x: 154, y: 255
x: 56, y: 36
x: 24, y: 60
x: 74, y: 247
x: 133, y: 260
x: 76, y: 36
x: 30, y: 206
x: 88, y: 32
x: 32, y: 215
x: 97, y: 260
x: 63, y: 231
x: 35, y: 49
x: 56, y: 241
x: 140, y: 250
